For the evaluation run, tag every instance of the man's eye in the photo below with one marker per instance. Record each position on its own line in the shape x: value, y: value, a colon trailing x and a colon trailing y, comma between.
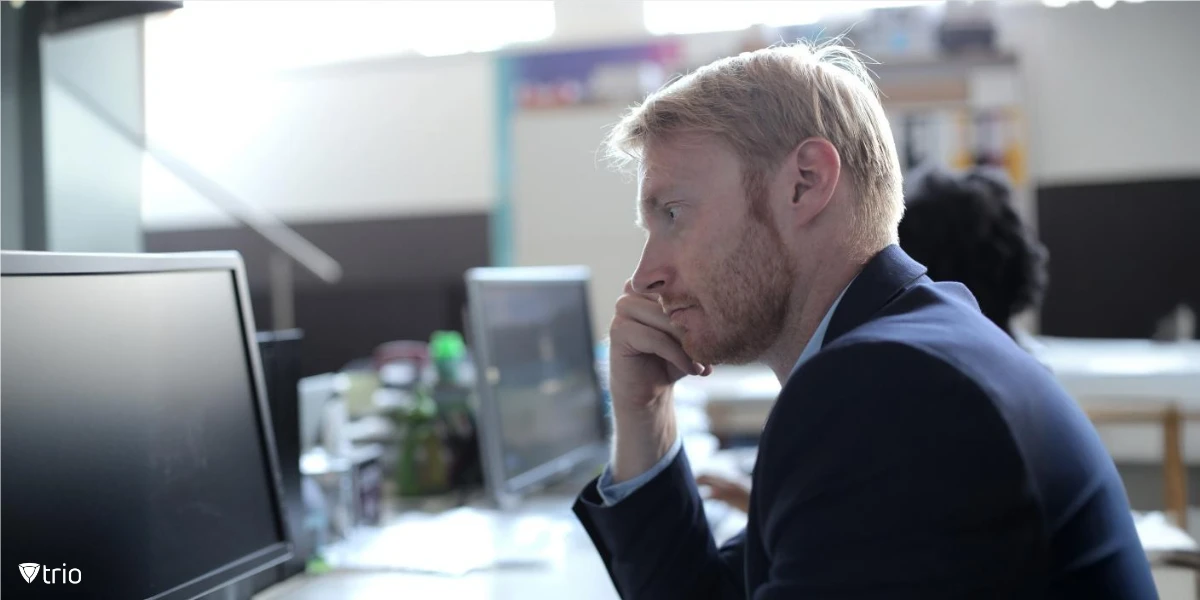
x: 672, y: 213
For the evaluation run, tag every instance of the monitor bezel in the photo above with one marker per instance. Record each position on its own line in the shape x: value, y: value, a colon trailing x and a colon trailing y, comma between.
x: 26, y: 263
x: 506, y: 489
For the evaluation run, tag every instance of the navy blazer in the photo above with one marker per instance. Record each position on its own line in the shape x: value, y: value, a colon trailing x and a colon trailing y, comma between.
x: 919, y: 454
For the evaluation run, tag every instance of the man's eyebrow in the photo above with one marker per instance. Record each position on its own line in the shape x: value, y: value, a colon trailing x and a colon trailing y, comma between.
x: 649, y: 203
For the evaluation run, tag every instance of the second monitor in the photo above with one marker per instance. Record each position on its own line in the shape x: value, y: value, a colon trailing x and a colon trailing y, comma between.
x: 541, y: 412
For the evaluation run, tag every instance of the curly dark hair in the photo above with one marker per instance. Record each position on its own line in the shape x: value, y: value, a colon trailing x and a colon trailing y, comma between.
x: 964, y: 228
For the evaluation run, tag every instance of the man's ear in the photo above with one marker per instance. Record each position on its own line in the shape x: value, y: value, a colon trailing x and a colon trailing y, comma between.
x: 812, y: 171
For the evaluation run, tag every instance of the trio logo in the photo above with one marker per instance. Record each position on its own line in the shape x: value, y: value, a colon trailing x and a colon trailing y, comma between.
x: 29, y: 571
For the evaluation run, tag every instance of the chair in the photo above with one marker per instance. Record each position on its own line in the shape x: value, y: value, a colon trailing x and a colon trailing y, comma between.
x: 1167, y: 416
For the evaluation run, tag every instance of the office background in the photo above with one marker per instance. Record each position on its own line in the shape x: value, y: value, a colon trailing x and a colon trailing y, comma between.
x: 409, y: 159
x: 412, y: 141
x: 408, y: 169
x: 379, y: 158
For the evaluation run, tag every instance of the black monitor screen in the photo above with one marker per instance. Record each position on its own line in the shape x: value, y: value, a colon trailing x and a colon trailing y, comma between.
x: 540, y: 370
x: 134, y: 458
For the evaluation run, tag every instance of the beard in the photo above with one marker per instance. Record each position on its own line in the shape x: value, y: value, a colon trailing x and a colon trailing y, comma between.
x: 748, y: 298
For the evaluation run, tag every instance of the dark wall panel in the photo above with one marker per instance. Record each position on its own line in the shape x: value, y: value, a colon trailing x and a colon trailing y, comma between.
x: 403, y: 279
x: 1122, y: 255
x: 370, y: 251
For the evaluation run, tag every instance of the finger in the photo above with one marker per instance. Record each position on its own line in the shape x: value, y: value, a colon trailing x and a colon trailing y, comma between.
x: 708, y: 489
x: 720, y: 487
x: 647, y: 340
x: 723, y: 496
x: 647, y: 312
x: 674, y: 373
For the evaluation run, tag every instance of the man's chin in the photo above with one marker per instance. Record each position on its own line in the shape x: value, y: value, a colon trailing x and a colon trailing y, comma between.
x: 699, y: 352
x: 717, y: 354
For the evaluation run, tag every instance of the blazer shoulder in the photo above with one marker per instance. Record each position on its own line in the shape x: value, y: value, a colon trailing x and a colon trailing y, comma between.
x: 873, y: 384
x: 858, y: 360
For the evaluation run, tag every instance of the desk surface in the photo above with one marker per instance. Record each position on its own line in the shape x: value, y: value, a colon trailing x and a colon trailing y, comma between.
x: 1092, y: 370
x: 579, y: 574
x: 576, y: 572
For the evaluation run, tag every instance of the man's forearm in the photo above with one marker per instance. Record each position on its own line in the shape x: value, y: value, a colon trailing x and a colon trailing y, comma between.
x: 657, y: 543
x: 642, y: 437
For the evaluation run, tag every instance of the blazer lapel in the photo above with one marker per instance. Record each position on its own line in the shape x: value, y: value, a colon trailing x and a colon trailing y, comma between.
x: 881, y: 280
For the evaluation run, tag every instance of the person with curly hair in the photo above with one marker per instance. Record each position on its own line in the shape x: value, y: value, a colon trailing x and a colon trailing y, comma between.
x: 963, y: 227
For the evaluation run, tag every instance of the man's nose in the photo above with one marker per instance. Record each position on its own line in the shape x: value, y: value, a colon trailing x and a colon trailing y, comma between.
x: 653, y: 272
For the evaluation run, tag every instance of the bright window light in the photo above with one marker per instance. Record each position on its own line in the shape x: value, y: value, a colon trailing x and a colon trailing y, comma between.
x: 275, y: 35
x: 1100, y: 3
x: 672, y: 16
x: 460, y: 27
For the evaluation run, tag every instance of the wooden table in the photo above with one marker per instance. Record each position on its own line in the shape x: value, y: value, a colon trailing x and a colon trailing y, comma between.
x: 1167, y: 415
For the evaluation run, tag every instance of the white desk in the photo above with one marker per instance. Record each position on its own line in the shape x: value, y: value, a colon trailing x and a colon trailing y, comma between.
x: 1105, y: 373
x: 579, y: 574
x: 576, y: 573
x: 1096, y: 373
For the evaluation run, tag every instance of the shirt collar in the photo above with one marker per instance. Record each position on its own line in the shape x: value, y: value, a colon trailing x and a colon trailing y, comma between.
x: 818, y: 337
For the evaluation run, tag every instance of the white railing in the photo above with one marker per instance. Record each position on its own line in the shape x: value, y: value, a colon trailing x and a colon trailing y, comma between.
x: 290, y: 246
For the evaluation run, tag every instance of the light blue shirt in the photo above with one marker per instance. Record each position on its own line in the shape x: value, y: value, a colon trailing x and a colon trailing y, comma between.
x: 613, y: 493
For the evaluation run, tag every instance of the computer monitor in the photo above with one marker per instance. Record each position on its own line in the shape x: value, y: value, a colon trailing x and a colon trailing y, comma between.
x: 541, y: 412
x: 138, y: 454
x: 280, y: 352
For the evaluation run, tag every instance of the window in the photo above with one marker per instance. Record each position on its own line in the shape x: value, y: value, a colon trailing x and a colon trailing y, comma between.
x: 259, y: 35
x: 668, y: 16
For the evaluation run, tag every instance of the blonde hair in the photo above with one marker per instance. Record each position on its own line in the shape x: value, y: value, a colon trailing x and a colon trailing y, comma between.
x: 764, y: 103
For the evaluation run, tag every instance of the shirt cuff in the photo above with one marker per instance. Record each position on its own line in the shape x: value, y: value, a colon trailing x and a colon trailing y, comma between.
x: 612, y: 493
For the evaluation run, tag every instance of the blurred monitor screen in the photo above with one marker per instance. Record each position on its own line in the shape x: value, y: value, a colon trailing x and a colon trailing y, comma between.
x: 137, y: 452
x: 541, y: 406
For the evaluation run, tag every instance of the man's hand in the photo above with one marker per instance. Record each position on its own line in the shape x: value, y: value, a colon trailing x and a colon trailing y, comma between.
x: 728, y: 491
x: 646, y: 358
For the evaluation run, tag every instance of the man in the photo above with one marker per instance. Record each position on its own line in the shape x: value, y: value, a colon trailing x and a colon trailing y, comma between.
x: 914, y: 451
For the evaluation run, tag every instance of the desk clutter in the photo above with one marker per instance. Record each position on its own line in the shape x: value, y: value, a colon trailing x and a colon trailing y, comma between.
x: 472, y: 428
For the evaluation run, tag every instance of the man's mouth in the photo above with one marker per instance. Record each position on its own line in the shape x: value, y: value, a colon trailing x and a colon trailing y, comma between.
x: 671, y: 313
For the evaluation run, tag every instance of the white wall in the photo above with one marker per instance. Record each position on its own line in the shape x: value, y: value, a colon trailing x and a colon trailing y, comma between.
x: 395, y: 137
x: 1112, y: 93
x: 568, y: 208
x: 602, y: 21
x: 93, y: 176
x: 1108, y: 94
